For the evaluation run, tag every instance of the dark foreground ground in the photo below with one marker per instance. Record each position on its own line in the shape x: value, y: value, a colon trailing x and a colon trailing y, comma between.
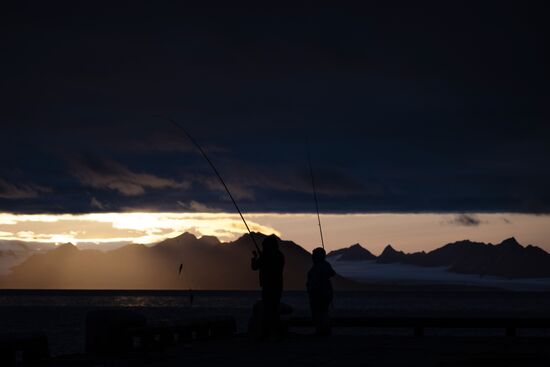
x: 340, y: 350
x: 61, y: 318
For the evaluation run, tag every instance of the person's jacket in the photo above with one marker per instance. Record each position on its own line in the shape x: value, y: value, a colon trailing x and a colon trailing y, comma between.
x: 318, y: 279
x: 271, y: 267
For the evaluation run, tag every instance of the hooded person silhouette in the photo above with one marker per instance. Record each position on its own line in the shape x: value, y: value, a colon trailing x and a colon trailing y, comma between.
x: 270, y: 263
x: 319, y: 289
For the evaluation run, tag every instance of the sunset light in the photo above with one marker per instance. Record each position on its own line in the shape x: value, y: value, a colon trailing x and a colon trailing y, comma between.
x: 409, y: 232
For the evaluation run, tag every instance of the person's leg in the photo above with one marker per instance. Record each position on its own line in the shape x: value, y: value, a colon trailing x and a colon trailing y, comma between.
x: 324, y: 317
x: 277, y: 314
x: 315, y: 311
x: 266, y: 313
x: 256, y: 324
x: 270, y: 311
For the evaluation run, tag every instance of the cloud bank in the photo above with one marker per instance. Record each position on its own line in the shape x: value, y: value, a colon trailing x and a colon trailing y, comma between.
x: 20, y: 191
x: 107, y: 174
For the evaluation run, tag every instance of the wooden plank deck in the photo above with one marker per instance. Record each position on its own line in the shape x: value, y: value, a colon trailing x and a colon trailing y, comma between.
x: 419, y: 324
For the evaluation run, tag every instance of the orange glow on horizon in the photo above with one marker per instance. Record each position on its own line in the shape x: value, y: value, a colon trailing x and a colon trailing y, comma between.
x: 408, y: 231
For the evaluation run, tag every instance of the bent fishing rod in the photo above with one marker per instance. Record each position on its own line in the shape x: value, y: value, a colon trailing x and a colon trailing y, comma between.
x: 315, y: 194
x: 197, y: 145
x: 316, y: 201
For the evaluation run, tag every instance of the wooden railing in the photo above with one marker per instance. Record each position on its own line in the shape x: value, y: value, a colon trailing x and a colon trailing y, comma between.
x: 419, y: 324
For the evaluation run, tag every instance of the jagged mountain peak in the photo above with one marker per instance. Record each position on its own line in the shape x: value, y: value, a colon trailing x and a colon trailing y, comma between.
x: 510, y: 243
x: 390, y: 249
x: 66, y: 247
x: 211, y: 240
x: 257, y: 235
x: 186, y: 236
x: 355, y: 252
x: 390, y: 255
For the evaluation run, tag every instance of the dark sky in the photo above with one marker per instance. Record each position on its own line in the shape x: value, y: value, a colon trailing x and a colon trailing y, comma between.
x: 407, y: 108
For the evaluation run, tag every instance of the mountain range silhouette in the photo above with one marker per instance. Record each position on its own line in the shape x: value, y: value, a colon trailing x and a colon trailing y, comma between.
x: 206, y: 262
x: 507, y: 259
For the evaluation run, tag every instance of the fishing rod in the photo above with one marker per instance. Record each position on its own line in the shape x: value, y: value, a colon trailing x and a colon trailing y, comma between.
x: 316, y: 202
x: 196, y: 144
x: 315, y: 194
x: 191, y: 295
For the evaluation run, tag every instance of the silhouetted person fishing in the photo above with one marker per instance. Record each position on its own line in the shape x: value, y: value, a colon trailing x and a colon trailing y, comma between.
x: 319, y: 288
x: 270, y: 263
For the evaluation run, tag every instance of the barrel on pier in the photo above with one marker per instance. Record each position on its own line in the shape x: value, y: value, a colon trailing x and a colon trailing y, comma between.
x: 22, y: 349
x: 107, y: 330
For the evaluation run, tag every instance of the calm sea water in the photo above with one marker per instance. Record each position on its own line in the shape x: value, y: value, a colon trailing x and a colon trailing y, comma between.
x: 61, y: 314
x: 375, y: 301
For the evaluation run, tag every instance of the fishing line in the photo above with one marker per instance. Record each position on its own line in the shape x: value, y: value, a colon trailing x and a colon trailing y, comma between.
x: 196, y: 144
x: 315, y: 194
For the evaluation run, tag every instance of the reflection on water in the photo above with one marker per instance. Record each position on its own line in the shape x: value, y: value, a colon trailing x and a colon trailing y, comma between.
x: 375, y: 302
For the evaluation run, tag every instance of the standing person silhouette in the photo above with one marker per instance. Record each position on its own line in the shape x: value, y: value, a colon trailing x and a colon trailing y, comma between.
x: 320, y: 292
x: 270, y: 263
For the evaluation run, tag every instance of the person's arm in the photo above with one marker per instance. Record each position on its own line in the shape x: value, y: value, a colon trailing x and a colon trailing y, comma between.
x: 331, y: 271
x: 255, y: 262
